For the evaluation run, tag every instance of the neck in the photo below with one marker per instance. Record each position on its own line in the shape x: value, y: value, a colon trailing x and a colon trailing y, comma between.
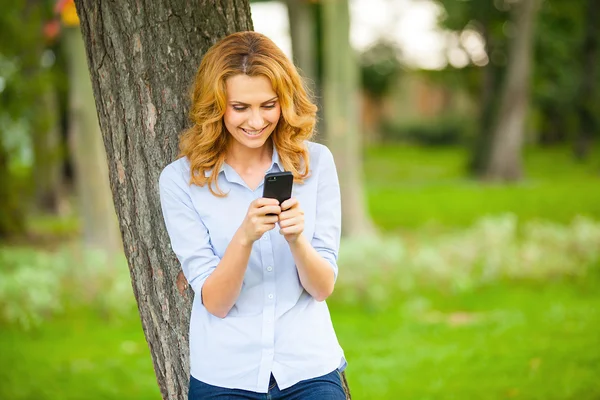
x: 245, y: 158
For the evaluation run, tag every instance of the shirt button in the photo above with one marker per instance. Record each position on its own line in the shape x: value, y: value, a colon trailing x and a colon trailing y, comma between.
x: 269, y: 269
x: 271, y: 296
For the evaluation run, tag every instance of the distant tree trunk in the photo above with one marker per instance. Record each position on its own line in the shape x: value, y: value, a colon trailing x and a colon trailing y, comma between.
x: 304, y: 34
x: 588, y: 106
x: 341, y: 92
x: 142, y: 59
x: 12, y: 211
x: 508, y: 133
x: 487, y: 105
x: 99, y: 220
x: 48, y: 156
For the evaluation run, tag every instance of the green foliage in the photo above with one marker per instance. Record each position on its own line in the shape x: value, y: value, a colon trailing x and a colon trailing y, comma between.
x: 380, y: 68
x: 560, y: 64
x: 38, y: 285
x: 25, y: 77
x: 495, y: 249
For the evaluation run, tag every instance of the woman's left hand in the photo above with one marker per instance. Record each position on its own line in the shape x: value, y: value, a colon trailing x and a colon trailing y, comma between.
x: 291, y: 220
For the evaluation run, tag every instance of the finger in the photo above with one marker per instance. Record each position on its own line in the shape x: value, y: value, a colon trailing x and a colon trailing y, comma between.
x: 292, y: 230
x: 289, y: 203
x: 265, y: 201
x: 268, y: 227
x: 291, y: 222
x: 291, y: 213
x: 268, y: 219
x: 264, y: 210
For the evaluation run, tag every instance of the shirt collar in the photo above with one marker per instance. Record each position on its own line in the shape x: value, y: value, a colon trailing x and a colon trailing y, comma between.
x: 275, y: 161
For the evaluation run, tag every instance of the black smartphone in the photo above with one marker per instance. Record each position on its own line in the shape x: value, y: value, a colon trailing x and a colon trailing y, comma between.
x: 278, y: 185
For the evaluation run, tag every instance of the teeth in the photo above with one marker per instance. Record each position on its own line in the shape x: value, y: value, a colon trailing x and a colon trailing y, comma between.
x: 253, y: 132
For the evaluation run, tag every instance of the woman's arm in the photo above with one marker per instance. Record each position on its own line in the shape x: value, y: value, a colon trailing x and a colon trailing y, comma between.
x: 316, y: 259
x: 316, y: 274
x: 217, y: 281
x: 223, y: 286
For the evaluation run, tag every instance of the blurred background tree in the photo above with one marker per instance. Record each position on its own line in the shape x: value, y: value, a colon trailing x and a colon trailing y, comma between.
x: 29, y: 141
x: 100, y: 229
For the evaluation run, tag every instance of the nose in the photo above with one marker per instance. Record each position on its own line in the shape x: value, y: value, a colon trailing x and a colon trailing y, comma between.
x: 256, y: 120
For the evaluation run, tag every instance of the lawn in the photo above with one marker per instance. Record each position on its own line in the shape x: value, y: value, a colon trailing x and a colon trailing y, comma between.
x: 409, y: 187
x: 502, y: 341
x: 530, y: 339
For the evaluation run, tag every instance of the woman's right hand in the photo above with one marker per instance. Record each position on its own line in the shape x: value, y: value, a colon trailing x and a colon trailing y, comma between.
x: 257, y: 222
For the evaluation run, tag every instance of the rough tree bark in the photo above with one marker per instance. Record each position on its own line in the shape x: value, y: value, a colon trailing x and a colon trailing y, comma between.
x: 142, y: 58
x: 507, y: 136
x: 341, y: 113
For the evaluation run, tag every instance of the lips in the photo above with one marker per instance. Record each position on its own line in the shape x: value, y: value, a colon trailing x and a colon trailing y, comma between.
x: 250, y: 132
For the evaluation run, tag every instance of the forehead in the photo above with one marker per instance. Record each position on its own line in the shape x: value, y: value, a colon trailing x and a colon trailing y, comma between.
x: 249, y: 89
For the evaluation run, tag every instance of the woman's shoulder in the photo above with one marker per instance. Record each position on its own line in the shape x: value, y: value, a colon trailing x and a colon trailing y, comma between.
x: 319, y: 153
x: 175, y: 172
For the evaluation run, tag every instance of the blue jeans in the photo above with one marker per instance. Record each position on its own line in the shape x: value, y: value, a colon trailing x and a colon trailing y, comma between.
x: 326, y: 387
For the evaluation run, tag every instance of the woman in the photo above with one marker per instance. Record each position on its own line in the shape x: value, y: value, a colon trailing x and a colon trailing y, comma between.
x: 259, y: 322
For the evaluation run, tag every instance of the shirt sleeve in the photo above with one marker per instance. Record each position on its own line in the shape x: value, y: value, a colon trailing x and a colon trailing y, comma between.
x: 328, y: 221
x: 189, y: 236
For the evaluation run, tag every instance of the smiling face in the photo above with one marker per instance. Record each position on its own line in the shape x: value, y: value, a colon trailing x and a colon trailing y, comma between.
x: 252, y: 110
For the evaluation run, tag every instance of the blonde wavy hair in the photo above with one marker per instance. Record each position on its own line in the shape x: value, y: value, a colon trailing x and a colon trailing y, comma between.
x: 206, y: 141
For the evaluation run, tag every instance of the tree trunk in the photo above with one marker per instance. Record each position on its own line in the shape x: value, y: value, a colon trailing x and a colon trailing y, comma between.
x: 508, y: 134
x: 587, y: 106
x: 48, y: 155
x: 487, y: 104
x: 303, y: 35
x: 99, y: 221
x: 142, y: 60
x: 12, y: 210
x: 341, y: 113
x: 303, y: 31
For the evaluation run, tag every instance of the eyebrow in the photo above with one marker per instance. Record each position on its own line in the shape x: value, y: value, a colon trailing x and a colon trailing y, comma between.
x: 264, y: 102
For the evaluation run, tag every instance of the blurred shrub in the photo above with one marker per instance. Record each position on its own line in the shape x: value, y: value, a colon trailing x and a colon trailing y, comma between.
x: 36, y: 284
x: 380, y: 67
x: 445, y: 130
x: 373, y: 269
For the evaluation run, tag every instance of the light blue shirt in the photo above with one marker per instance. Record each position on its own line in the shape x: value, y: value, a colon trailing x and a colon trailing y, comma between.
x: 275, y: 326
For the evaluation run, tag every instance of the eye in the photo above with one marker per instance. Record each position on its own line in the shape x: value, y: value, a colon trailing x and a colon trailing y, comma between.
x: 269, y: 106
x: 239, y: 108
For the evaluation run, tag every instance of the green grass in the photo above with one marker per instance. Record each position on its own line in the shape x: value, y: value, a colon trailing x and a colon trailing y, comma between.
x: 507, y: 340
x: 79, y: 355
x: 408, y: 187
x: 497, y: 342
